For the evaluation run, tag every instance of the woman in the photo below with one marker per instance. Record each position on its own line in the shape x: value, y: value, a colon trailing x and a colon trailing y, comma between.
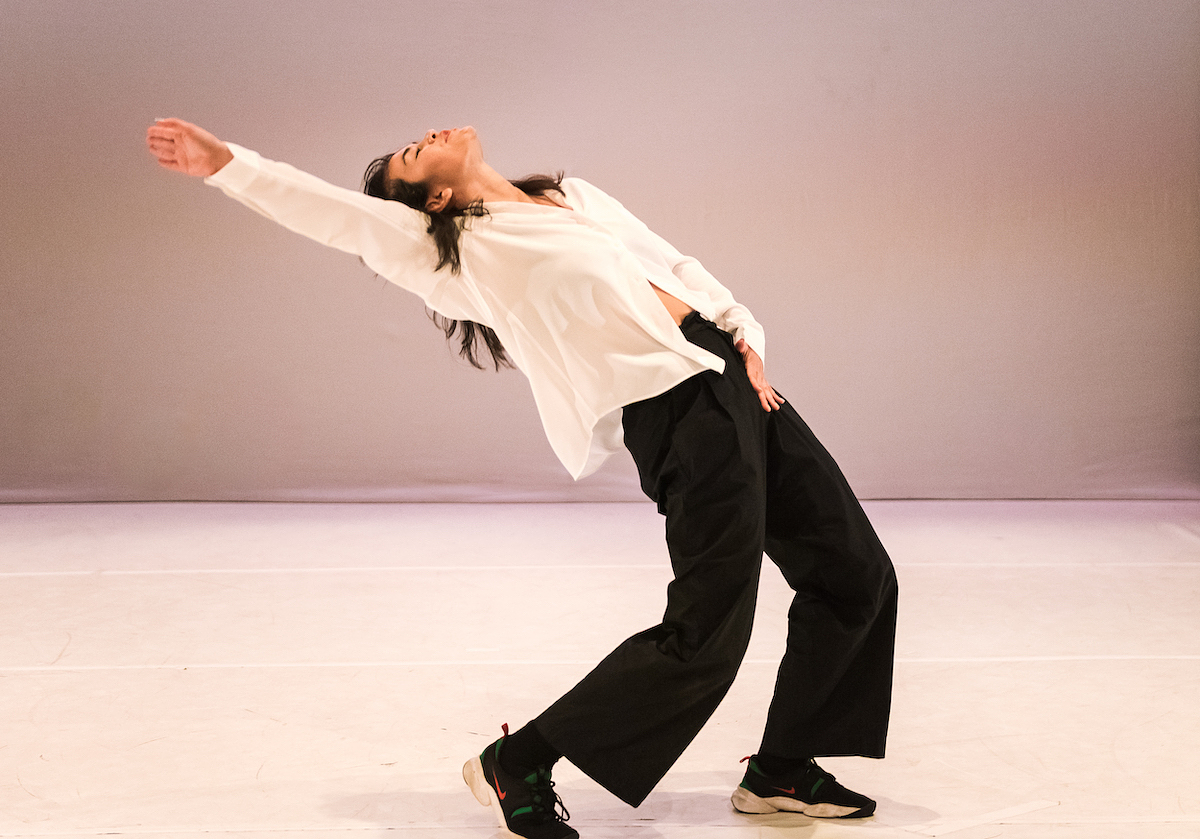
x: 624, y: 339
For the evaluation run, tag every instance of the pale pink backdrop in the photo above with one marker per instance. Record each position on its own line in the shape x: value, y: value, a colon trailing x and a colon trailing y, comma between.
x: 971, y: 230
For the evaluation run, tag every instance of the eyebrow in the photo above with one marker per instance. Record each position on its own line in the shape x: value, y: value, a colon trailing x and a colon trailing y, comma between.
x: 404, y: 151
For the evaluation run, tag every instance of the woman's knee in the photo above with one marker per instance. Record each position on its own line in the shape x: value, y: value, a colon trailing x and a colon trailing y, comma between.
x: 712, y: 625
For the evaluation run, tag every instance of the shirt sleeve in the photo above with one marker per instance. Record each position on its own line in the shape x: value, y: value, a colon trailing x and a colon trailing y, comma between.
x: 390, y: 237
x: 732, y: 316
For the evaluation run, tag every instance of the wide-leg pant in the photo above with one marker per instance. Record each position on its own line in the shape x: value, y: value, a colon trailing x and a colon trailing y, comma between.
x: 734, y: 480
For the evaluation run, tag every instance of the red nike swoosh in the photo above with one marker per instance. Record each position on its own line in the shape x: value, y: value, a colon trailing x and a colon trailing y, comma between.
x: 788, y: 791
x: 499, y: 792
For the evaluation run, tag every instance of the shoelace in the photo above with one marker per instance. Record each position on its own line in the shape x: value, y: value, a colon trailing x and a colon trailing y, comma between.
x: 543, y: 792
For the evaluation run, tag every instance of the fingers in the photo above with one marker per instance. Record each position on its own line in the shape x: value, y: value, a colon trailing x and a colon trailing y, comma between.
x: 168, y: 130
x: 774, y: 398
x: 186, y: 148
x: 164, y: 148
x: 161, y: 141
x: 768, y: 398
x: 764, y: 398
x: 159, y: 144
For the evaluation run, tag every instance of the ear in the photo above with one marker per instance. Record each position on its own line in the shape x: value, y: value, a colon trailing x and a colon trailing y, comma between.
x: 439, y: 201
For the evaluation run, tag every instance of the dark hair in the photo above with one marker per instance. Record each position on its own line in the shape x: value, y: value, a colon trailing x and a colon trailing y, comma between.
x: 446, y: 228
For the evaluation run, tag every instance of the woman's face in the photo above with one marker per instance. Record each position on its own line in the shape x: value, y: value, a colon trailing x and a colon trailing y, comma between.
x: 438, y: 159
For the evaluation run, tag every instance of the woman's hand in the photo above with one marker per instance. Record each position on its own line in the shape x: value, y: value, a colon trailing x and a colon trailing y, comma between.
x: 183, y: 147
x: 758, y: 378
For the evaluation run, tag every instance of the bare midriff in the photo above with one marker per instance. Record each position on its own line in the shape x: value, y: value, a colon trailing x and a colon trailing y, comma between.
x: 678, y: 309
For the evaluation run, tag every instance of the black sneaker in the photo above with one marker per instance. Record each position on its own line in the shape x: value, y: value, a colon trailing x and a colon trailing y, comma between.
x: 809, y: 790
x: 526, y: 807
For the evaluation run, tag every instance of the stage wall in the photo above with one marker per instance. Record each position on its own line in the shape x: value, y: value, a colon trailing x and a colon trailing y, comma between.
x: 970, y: 229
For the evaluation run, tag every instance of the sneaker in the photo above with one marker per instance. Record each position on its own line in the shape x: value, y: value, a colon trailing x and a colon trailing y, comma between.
x: 525, y: 807
x: 809, y: 790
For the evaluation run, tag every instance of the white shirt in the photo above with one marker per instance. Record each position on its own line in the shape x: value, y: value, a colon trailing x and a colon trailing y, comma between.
x: 565, y: 290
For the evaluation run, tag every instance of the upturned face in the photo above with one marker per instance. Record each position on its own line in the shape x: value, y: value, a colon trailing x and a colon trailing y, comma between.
x: 439, y: 159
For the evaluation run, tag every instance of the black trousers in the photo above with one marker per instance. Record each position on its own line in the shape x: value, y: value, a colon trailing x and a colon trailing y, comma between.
x: 734, y: 481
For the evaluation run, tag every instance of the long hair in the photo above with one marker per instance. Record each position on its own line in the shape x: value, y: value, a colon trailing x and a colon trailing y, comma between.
x: 446, y: 229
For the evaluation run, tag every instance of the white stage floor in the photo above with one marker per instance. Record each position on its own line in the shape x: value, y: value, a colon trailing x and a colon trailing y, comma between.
x: 277, y: 670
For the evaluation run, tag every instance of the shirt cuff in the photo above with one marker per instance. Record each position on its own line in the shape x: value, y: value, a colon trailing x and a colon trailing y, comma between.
x: 238, y: 173
x: 751, y: 334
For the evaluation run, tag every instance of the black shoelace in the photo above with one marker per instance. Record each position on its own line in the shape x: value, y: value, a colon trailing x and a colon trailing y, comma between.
x: 546, y: 802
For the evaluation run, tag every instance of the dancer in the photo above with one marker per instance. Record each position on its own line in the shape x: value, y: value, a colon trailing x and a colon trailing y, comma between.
x: 625, y: 340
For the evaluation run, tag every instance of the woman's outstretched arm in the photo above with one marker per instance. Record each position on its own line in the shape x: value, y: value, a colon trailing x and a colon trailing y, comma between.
x: 389, y: 236
x: 183, y: 147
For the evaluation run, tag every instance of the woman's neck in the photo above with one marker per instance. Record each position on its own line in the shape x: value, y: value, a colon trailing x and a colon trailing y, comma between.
x: 486, y: 184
